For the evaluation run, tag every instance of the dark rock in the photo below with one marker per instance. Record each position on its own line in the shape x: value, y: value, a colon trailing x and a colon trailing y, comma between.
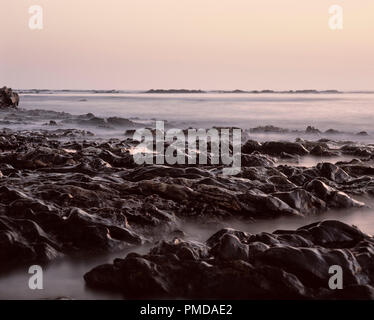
x: 321, y: 151
x: 312, y: 130
x: 277, y: 147
x: 357, y: 150
x: 63, y: 192
x: 230, y: 248
x: 268, y: 129
x: 23, y: 241
x: 265, y: 206
x: 333, y: 198
x: 120, y: 122
x: 251, y: 146
x: 332, y: 131
x: 362, y: 133
x: 333, y: 172
x: 236, y: 265
x: 8, y: 98
x: 303, y: 201
x: 256, y: 160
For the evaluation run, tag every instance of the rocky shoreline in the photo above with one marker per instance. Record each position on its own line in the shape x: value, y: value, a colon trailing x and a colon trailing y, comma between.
x: 64, y: 192
x: 235, y: 265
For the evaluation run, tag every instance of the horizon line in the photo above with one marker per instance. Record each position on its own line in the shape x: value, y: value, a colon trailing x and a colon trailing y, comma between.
x: 191, y: 91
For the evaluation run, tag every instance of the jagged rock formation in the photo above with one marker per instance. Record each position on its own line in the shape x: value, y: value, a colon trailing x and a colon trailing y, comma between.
x: 236, y: 265
x: 61, y: 196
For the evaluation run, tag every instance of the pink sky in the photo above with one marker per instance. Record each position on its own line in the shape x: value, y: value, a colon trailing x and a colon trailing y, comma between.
x: 207, y: 44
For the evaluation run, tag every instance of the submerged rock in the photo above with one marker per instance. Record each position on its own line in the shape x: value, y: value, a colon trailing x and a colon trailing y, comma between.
x: 312, y: 130
x: 322, y: 151
x: 362, y: 133
x: 268, y: 129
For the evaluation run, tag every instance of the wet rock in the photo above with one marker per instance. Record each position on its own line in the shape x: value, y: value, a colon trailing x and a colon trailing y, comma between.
x: 332, y: 197
x: 321, y: 151
x: 268, y: 129
x: 90, y: 120
x: 357, y: 150
x: 94, y: 121
x: 236, y: 265
x: 277, y: 147
x: 312, y: 130
x: 123, y: 160
x: 169, y: 191
x: 297, y: 261
x: 362, y: 133
x: 23, y: 241
x: 363, y: 153
x: 87, y: 195
x: 8, y: 98
x: 215, y: 238
x: 332, y: 131
x: 281, y: 182
x: 303, y: 201
x: 332, y: 234
x: 120, y: 122
x: 256, y: 160
x: 230, y: 248
x: 333, y: 172
x: 251, y: 146
x: 87, y: 232
x: 265, y: 206
x: 124, y: 234
x: 357, y: 170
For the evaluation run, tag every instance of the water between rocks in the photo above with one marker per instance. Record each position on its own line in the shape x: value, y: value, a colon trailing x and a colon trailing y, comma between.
x: 63, y: 278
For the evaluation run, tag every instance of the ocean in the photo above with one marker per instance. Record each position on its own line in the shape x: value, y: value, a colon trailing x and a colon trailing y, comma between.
x: 348, y: 113
x: 345, y: 112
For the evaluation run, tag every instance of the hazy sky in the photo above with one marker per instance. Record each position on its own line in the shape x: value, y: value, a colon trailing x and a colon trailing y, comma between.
x: 207, y: 44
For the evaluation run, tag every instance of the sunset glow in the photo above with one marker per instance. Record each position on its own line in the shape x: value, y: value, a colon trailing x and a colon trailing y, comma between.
x: 128, y: 44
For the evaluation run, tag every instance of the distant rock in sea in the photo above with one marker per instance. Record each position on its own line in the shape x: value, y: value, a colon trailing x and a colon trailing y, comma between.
x: 174, y: 91
x: 312, y: 130
x: 231, y: 91
x: 105, y: 91
x: 266, y: 91
x: 268, y: 129
x: 8, y: 98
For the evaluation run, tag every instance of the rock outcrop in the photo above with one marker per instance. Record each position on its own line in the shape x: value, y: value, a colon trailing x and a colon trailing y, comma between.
x: 60, y: 196
x: 237, y: 265
x: 8, y: 98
